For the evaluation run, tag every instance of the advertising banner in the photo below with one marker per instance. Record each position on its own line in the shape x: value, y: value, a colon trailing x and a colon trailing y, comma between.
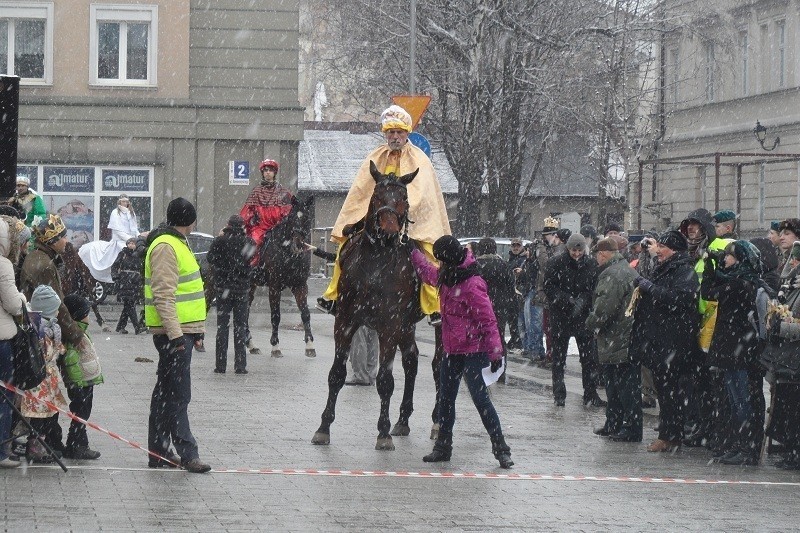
x: 77, y: 213
x: 69, y: 179
x: 125, y: 180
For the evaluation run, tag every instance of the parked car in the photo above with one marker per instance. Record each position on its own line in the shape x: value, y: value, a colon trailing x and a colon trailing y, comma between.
x: 503, y: 244
x: 198, y: 242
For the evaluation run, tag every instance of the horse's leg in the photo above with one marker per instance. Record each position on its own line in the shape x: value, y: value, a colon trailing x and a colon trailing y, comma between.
x: 436, y: 365
x: 410, y: 355
x: 251, y: 346
x: 301, y: 297
x: 343, y: 337
x: 385, y: 383
x: 275, y: 319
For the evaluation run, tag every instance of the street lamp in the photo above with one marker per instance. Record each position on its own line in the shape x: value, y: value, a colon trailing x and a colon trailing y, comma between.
x: 761, y: 135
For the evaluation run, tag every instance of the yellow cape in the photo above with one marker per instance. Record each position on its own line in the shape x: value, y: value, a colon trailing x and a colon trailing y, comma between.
x: 427, y: 208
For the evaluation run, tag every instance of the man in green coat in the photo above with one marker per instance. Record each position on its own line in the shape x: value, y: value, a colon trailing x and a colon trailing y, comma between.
x: 612, y: 329
x: 30, y: 200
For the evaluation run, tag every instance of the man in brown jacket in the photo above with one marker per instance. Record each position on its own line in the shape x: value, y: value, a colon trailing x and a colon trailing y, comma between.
x: 175, y: 313
x: 41, y: 268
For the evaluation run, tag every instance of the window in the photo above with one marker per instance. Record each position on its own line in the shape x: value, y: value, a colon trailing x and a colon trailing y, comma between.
x: 780, y: 51
x: 765, y: 67
x: 676, y: 75
x: 26, y: 41
x: 123, y: 45
x: 744, y: 46
x: 710, y: 63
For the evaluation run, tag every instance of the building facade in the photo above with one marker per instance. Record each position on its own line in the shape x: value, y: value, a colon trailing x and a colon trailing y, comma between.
x: 725, y: 67
x: 153, y: 98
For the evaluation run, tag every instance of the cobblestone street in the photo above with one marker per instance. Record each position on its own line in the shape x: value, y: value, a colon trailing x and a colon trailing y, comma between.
x: 265, y: 420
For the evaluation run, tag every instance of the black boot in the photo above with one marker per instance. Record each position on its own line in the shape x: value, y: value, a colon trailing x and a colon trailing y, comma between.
x: 442, y: 449
x: 502, y: 452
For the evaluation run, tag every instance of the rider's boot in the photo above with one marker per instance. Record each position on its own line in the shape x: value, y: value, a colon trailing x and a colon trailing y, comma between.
x: 327, y: 306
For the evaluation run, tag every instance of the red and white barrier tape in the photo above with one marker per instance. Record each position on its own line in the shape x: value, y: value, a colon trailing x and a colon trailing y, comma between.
x: 394, y: 474
x: 54, y: 407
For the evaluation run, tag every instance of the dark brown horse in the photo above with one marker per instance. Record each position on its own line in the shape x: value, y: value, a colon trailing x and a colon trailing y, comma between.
x: 285, y: 263
x: 77, y: 279
x: 379, y: 289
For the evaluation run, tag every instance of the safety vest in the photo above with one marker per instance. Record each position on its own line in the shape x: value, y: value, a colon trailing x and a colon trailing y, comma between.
x: 190, y: 303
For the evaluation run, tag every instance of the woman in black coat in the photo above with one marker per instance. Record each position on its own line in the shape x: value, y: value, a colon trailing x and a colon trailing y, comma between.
x: 665, y: 328
x: 127, y: 275
x: 733, y: 285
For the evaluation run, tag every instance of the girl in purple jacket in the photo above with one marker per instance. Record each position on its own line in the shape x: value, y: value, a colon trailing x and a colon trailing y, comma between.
x: 471, y: 341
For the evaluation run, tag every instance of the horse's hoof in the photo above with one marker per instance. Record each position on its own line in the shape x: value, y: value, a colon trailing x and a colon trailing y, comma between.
x: 255, y: 351
x: 311, y: 352
x: 384, y: 443
x: 434, y: 431
x: 400, y: 430
x: 321, y: 438
x: 276, y: 353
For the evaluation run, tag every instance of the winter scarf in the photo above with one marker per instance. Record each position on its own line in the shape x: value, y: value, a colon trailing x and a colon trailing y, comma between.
x: 450, y: 275
x: 697, y: 246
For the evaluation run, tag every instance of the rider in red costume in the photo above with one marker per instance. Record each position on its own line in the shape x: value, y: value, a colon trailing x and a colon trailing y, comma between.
x: 268, y: 203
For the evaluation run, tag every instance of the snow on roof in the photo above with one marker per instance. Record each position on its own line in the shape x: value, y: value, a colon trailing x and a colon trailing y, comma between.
x: 329, y: 160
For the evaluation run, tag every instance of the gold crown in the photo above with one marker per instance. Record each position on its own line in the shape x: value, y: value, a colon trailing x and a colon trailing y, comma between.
x: 552, y: 222
x: 49, y: 229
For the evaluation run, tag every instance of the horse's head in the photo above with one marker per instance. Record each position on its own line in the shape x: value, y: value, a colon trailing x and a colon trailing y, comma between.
x: 298, y: 224
x: 388, y: 208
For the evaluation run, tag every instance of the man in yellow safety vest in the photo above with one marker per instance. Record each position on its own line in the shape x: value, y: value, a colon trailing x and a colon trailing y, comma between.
x: 175, y: 312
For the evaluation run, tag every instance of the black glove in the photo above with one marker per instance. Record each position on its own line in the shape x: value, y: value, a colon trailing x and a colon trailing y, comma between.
x: 644, y: 284
x: 176, y: 346
x: 774, y: 325
x: 494, y: 366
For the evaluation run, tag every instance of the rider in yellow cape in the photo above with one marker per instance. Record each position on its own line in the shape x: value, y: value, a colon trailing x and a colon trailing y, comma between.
x: 427, y: 209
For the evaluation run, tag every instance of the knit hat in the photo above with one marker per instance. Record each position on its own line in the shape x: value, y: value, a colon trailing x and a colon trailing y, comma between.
x: 575, y: 241
x: 621, y: 241
x: 605, y: 245
x: 236, y: 221
x: 48, y: 229
x: 395, y: 118
x: 551, y: 225
x: 131, y: 240
x: 724, y: 216
x: 23, y: 179
x: 589, y: 231
x: 791, y: 224
x: 775, y: 226
x: 448, y: 250
x: 181, y: 212
x: 563, y: 234
x: 516, y: 240
x: 45, y: 301
x: 674, y: 240
x: 612, y: 226
x: 77, y: 305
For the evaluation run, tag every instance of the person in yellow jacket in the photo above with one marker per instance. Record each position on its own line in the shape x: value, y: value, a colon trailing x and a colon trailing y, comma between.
x: 427, y: 208
x: 175, y: 313
x: 707, y: 387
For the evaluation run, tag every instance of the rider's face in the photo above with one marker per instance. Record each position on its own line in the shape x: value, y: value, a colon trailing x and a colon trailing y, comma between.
x: 22, y: 188
x: 396, y: 138
x: 268, y: 175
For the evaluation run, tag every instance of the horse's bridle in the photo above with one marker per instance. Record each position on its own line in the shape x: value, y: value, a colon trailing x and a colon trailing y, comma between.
x: 402, y: 220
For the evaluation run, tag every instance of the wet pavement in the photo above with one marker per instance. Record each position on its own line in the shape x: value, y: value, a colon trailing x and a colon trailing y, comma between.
x: 264, y: 421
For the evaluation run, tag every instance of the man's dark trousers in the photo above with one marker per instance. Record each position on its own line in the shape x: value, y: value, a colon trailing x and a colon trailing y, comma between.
x: 169, y: 418
x: 239, y: 305
x: 624, y: 393
x: 587, y: 350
